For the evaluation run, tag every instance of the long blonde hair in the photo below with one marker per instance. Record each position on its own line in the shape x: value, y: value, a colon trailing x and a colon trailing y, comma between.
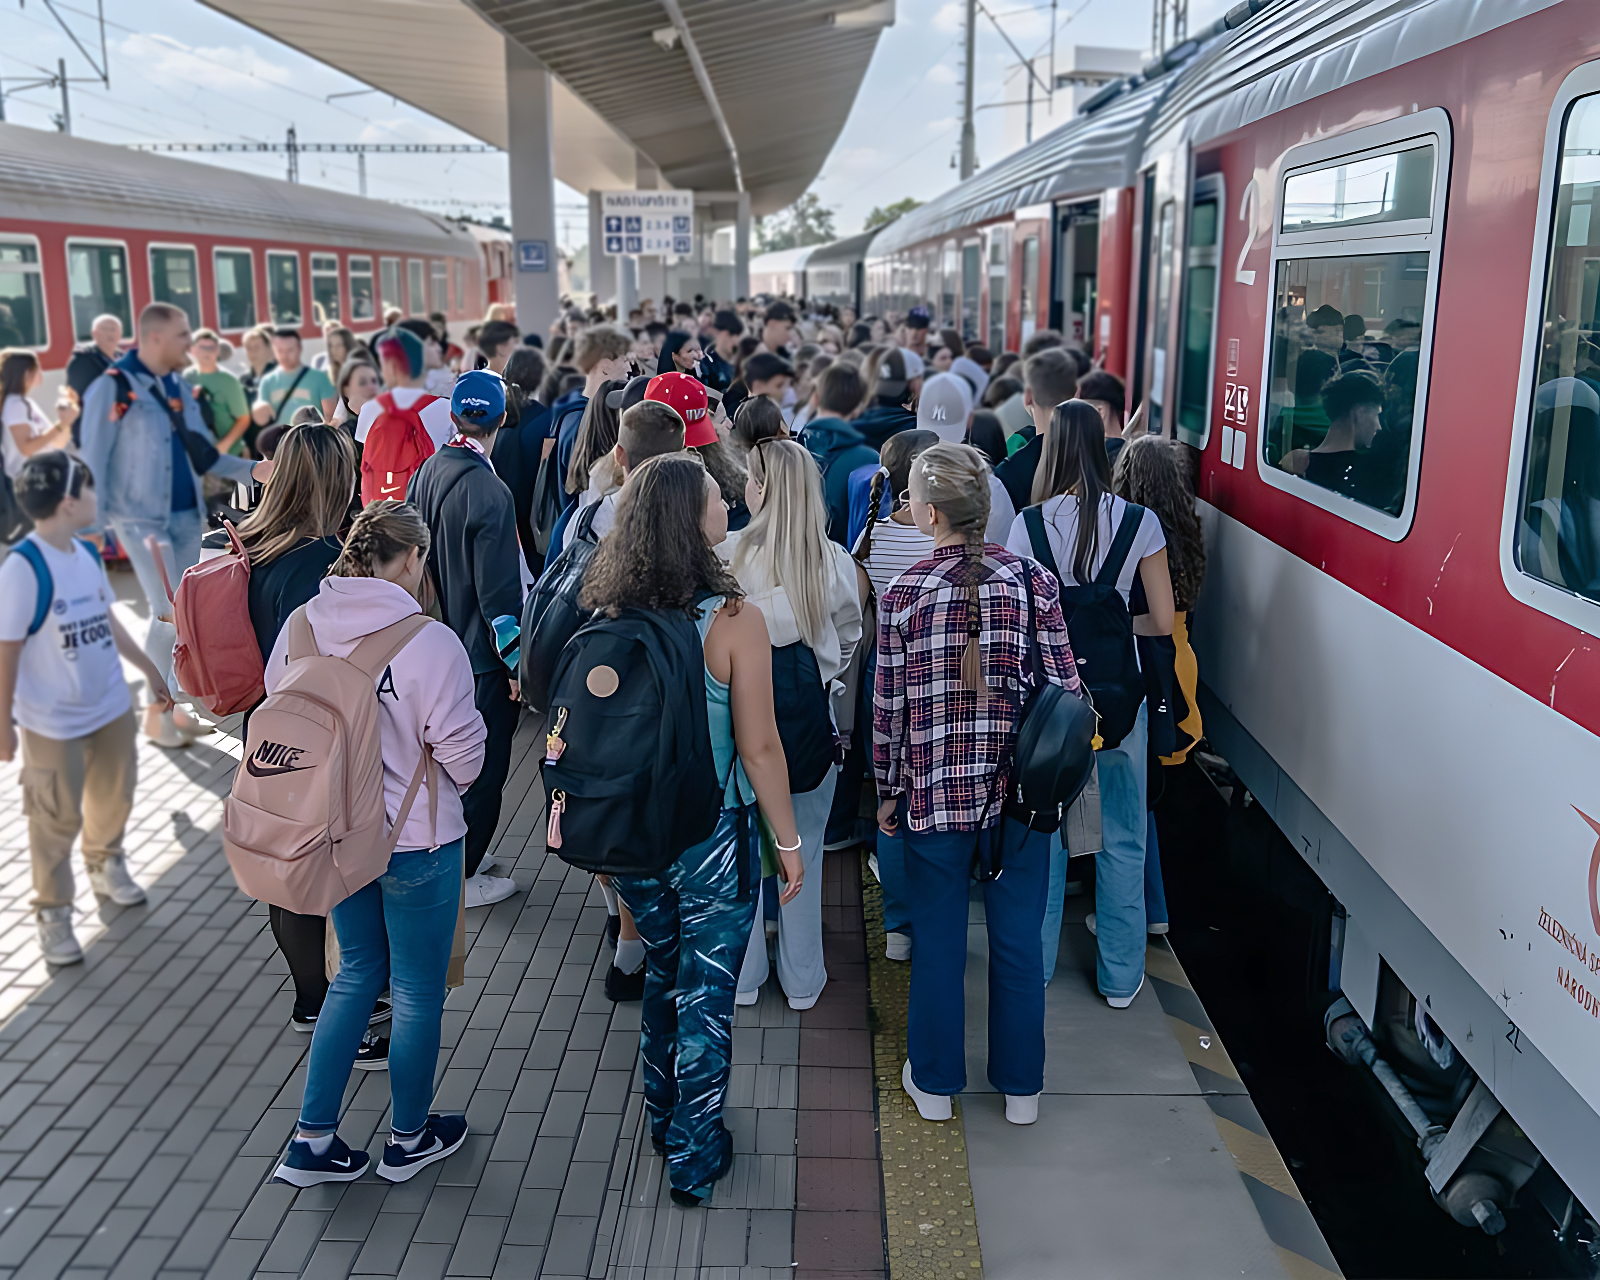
x: 954, y: 479
x: 308, y: 494
x: 786, y: 543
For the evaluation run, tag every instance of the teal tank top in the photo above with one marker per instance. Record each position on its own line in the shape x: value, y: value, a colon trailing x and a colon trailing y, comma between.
x: 719, y: 712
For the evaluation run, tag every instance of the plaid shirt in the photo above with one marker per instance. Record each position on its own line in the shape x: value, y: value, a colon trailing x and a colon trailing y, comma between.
x: 931, y: 737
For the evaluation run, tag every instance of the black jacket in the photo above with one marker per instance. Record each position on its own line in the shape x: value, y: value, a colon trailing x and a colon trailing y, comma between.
x: 472, y: 517
x: 880, y: 421
x: 281, y: 586
x: 88, y: 362
x: 518, y: 450
x: 1016, y: 473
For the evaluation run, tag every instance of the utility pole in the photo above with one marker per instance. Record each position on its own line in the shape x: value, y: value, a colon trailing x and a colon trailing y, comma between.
x: 64, y: 120
x: 1165, y: 13
x: 292, y: 149
x: 969, y: 134
x: 361, y: 168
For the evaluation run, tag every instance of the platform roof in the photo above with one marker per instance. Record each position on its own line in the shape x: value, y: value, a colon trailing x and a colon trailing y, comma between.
x: 784, y: 77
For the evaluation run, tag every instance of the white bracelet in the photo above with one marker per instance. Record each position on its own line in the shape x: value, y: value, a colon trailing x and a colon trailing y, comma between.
x: 788, y: 848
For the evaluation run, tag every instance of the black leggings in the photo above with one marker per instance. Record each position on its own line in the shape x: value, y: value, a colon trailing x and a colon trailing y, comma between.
x: 303, y: 941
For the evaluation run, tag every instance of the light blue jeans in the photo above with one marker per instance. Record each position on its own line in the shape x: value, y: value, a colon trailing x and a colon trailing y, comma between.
x: 1119, y: 870
x: 179, y: 539
x: 396, y: 931
x: 801, y: 971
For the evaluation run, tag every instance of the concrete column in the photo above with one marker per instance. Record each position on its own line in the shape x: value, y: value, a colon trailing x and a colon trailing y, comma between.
x: 741, y: 249
x: 533, y: 185
x: 652, y: 267
x: 627, y: 287
x: 602, y: 269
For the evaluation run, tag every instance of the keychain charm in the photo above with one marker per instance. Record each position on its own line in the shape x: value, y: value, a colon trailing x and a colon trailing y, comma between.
x: 553, y: 744
x: 558, y: 803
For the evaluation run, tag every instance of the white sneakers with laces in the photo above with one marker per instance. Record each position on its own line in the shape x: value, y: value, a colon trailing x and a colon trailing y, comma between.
x: 111, y: 880
x: 56, y: 939
x: 484, y: 891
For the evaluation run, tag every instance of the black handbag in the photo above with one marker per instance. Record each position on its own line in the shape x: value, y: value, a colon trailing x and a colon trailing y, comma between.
x: 202, y: 453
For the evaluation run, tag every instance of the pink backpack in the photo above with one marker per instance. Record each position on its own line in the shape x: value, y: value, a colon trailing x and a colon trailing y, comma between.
x: 216, y: 658
x: 304, y: 827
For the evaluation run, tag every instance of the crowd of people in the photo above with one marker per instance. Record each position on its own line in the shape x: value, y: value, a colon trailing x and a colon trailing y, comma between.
x: 882, y: 536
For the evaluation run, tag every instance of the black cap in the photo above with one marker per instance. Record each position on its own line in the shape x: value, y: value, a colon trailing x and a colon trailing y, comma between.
x: 1325, y: 315
x: 626, y: 397
x: 918, y: 318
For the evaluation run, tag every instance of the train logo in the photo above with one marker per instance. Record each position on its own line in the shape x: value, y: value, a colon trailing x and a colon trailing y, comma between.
x: 1594, y: 870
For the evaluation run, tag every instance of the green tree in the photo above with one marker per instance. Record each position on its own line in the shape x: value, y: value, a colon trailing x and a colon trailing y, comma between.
x: 883, y: 216
x: 806, y: 221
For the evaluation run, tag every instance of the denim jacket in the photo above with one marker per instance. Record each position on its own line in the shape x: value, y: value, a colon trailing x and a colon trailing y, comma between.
x: 131, y: 457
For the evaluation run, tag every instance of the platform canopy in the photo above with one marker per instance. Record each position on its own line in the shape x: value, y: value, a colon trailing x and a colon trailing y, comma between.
x: 714, y: 94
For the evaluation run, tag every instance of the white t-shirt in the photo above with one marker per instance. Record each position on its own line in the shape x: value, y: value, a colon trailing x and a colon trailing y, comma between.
x: 1061, y: 528
x: 895, y: 548
x: 69, y: 682
x: 435, y: 417
x: 1001, y: 513
x: 19, y: 411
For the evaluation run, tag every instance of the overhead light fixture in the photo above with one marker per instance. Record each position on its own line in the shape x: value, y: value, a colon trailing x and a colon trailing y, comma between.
x: 666, y: 37
x: 880, y: 14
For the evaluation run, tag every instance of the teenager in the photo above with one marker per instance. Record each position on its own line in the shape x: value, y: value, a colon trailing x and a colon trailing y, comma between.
x: 1081, y: 518
x: 1049, y: 378
x: 398, y: 930
x: 477, y: 571
x: 953, y: 660
x: 647, y: 430
x: 292, y: 385
x: 810, y: 592
x: 692, y: 916
x: 61, y: 677
x: 27, y: 432
x: 836, y: 444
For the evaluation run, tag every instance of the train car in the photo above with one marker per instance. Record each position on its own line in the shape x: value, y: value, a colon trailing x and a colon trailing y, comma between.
x: 89, y: 229
x: 1395, y: 635
x: 835, y: 273
x: 781, y: 273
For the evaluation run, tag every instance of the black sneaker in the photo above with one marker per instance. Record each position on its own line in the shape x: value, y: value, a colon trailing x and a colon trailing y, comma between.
x: 302, y: 1168
x: 442, y: 1136
x: 613, y: 928
x: 691, y: 1200
x: 622, y: 988
x: 305, y: 1025
x: 373, y: 1055
x: 381, y: 1012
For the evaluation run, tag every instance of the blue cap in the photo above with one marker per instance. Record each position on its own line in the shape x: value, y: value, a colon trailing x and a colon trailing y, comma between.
x: 478, y: 395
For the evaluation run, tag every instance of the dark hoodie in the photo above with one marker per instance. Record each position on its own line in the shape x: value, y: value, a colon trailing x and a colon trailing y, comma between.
x: 839, y: 449
x: 883, y: 420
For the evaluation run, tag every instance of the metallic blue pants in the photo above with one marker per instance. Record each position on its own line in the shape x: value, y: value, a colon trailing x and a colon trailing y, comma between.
x: 694, y: 917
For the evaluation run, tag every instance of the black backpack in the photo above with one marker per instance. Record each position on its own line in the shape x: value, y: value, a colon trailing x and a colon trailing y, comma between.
x: 800, y: 706
x: 630, y: 780
x: 1100, y: 627
x: 551, y: 616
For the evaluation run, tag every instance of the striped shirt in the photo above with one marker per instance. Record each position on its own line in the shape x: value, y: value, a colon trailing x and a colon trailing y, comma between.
x: 932, y: 738
x: 895, y: 548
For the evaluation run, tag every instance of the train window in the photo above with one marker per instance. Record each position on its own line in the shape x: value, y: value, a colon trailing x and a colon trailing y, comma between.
x: 414, y: 281
x: 948, y: 284
x: 389, y: 283
x: 236, y: 288
x: 22, y: 315
x: 362, y: 303
x: 1558, y: 524
x: 999, y: 278
x: 971, y: 288
x: 1199, y: 339
x: 1165, y: 254
x: 324, y: 287
x: 175, y: 278
x: 97, y: 277
x: 461, y: 284
x: 283, y: 288
x: 1028, y: 291
x: 1354, y: 273
x: 441, y: 287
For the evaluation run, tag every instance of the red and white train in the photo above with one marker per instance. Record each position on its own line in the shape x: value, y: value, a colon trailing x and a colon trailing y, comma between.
x: 1399, y: 662
x: 89, y: 229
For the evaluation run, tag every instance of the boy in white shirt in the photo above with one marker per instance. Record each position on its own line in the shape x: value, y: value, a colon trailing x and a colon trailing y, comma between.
x: 59, y: 635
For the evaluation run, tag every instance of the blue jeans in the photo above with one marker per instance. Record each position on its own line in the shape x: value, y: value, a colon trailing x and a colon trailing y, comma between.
x: 892, y: 878
x: 1119, y: 918
x: 694, y: 917
x: 1155, y: 889
x: 938, y: 876
x: 179, y: 539
x: 395, y: 931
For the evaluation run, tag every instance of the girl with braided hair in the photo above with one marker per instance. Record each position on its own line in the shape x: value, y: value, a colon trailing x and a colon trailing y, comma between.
x: 953, y: 660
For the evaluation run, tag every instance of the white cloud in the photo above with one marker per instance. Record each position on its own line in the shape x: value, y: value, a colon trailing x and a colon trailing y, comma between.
x: 943, y: 73
x: 168, y: 62
x: 950, y: 18
x: 852, y: 164
x: 941, y: 124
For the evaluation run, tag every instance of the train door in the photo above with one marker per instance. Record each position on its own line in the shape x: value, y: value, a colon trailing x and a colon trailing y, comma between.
x: 949, y: 281
x: 1164, y: 218
x: 999, y: 282
x: 971, y: 289
x: 1077, y: 274
x: 1198, y: 331
x: 1030, y: 293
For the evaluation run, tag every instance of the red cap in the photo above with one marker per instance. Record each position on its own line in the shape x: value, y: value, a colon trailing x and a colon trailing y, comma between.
x: 687, y: 395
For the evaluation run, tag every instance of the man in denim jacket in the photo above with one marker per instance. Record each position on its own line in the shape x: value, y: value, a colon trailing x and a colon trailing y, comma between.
x: 142, y: 471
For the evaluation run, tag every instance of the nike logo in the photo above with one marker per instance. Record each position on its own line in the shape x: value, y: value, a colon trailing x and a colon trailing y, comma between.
x: 271, y: 759
x: 341, y: 1164
x: 256, y: 771
x: 424, y: 1151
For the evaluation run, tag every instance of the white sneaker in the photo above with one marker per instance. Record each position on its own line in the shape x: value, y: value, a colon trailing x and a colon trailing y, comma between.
x: 897, y: 946
x: 745, y: 998
x: 1088, y: 923
x: 1122, y: 1002
x: 801, y: 1003
x: 161, y: 730
x: 56, y: 939
x: 112, y: 881
x: 1022, y: 1110
x: 485, y: 891
x: 872, y: 864
x: 190, y: 726
x: 930, y: 1106
x: 1159, y: 928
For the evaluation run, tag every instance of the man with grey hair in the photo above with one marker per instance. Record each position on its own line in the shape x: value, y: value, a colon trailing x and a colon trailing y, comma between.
x: 91, y: 359
x: 137, y: 419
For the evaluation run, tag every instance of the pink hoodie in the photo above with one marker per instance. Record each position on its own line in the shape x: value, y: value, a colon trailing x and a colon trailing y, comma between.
x: 424, y: 696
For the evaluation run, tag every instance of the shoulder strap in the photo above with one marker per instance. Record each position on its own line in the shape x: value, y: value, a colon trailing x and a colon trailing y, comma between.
x: 1039, y: 541
x: 377, y: 650
x: 585, y: 529
x: 302, y: 640
x: 30, y: 552
x: 284, y: 398
x: 1111, y: 570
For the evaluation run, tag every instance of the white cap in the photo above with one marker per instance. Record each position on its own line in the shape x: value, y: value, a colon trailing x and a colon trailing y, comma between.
x: 945, y: 405
x: 973, y: 372
x: 914, y: 366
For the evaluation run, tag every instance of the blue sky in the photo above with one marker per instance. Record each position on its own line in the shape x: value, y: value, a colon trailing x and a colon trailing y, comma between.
x: 181, y: 72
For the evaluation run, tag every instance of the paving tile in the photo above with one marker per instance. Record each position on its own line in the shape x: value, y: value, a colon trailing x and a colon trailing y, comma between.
x: 296, y: 1237
x: 386, y: 1245
x: 447, y: 1209
x: 478, y: 1249
x: 425, y: 1261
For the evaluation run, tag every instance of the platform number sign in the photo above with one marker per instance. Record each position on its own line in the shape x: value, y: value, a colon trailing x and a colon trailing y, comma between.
x: 533, y: 255
x: 1235, y: 412
x: 654, y: 223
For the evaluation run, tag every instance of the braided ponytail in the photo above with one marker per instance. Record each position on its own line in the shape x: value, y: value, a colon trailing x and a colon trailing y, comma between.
x: 899, y: 452
x: 863, y: 550
x: 380, y: 533
x: 954, y: 479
